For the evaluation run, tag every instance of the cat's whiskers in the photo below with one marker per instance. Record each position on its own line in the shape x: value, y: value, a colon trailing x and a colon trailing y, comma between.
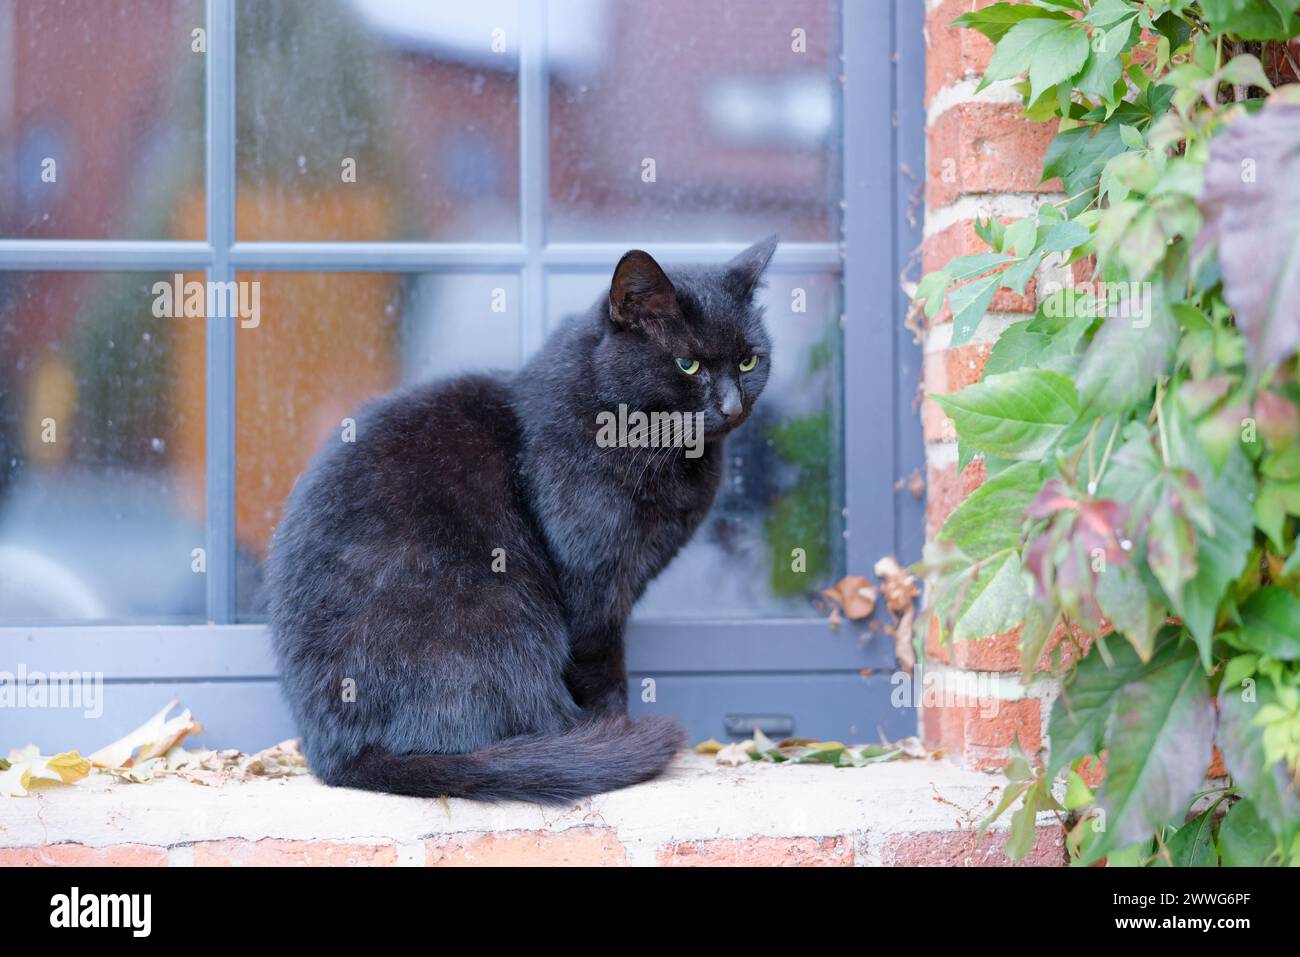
x: 667, y: 451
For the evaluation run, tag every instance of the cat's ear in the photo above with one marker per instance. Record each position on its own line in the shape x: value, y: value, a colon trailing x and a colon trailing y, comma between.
x: 640, y: 294
x: 745, y: 271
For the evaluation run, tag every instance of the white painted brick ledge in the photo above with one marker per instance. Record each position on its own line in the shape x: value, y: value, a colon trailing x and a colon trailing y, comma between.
x: 696, y: 800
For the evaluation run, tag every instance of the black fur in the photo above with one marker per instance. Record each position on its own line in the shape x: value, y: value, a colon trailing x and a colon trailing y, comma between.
x: 484, y: 684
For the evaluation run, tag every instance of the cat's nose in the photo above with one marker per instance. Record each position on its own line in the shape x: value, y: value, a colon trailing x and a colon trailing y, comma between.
x: 730, y: 403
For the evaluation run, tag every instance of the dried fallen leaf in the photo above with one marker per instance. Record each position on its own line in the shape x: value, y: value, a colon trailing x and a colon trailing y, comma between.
x: 282, y: 760
x: 912, y: 747
x: 178, y: 758
x: 28, y: 764
x: 736, y: 754
x: 854, y: 595
x: 902, y: 630
x: 916, y: 484
x: 140, y: 772
x: 900, y: 588
x: 154, y: 739
x: 216, y: 768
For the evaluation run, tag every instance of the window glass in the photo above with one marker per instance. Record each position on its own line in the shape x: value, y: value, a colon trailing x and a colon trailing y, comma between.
x: 101, y: 119
x: 101, y: 450
x: 692, y: 121
x: 378, y: 120
x: 779, y: 508
x: 324, y: 344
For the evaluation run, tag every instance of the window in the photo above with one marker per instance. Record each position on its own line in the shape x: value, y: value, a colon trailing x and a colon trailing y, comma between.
x: 414, y: 189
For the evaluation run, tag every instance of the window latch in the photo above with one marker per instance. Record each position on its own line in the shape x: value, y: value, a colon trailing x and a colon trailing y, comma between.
x: 775, y: 726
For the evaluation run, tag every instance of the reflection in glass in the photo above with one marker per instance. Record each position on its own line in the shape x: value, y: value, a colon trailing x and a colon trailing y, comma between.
x: 329, y: 342
x: 779, y: 491
x: 101, y: 119
x: 693, y: 121
x: 377, y: 120
x: 101, y: 452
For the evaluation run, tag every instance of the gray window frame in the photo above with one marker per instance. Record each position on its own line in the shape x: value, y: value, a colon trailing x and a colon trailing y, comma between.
x: 883, y: 171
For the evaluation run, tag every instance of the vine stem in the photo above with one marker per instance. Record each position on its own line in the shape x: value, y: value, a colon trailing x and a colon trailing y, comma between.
x: 1105, y: 456
x: 1160, y: 422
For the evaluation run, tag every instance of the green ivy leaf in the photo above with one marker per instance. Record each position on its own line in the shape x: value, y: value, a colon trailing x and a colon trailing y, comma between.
x: 1159, y: 743
x: 1078, y: 156
x: 1080, y: 712
x: 1275, y: 501
x: 989, y: 519
x: 1267, y: 784
x: 969, y: 304
x: 994, y: 21
x: 991, y: 599
x: 1051, y: 50
x: 1221, y: 557
x: 1270, y: 624
x: 1192, y: 845
x: 1131, y: 608
x: 1044, y: 342
x: 1244, y: 839
x: 1106, y: 12
x: 1024, y: 821
x: 1131, y: 350
x: 1253, y: 19
x: 1171, y: 547
x: 1035, y: 632
x: 1016, y: 415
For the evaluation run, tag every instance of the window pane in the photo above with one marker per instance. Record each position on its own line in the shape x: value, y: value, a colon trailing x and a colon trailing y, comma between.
x: 101, y: 451
x: 378, y: 120
x: 740, y: 126
x: 326, y: 343
x: 781, y: 489
x: 101, y: 120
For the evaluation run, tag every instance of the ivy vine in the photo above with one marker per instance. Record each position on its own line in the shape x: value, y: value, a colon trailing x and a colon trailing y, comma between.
x: 1141, y: 433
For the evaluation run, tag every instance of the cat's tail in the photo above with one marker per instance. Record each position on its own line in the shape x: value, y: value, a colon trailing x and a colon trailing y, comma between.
x: 600, y: 754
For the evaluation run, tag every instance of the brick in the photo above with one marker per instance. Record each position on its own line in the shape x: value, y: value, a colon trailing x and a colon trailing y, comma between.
x: 936, y: 426
x: 271, y: 852
x: 967, y: 849
x: 1093, y: 771
x: 960, y: 239
x: 576, y: 847
x: 980, y: 731
x: 947, y: 371
x: 1014, y: 720
x: 951, y: 370
x: 80, y: 855
x: 1001, y: 652
x: 944, y: 728
x: 985, y: 148
x: 945, y: 489
x: 759, y: 852
x: 1082, y: 270
x: 953, y: 54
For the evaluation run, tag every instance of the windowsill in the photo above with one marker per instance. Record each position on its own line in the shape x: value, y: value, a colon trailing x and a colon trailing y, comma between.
x: 903, y: 812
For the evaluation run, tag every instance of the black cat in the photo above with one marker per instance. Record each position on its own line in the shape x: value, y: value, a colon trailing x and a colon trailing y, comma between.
x: 448, y: 594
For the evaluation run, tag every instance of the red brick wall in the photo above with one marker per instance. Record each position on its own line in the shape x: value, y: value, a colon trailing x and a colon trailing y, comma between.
x: 982, y: 160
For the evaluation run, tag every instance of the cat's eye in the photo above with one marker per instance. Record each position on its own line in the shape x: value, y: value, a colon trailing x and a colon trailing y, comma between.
x: 689, y: 366
x: 749, y: 364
